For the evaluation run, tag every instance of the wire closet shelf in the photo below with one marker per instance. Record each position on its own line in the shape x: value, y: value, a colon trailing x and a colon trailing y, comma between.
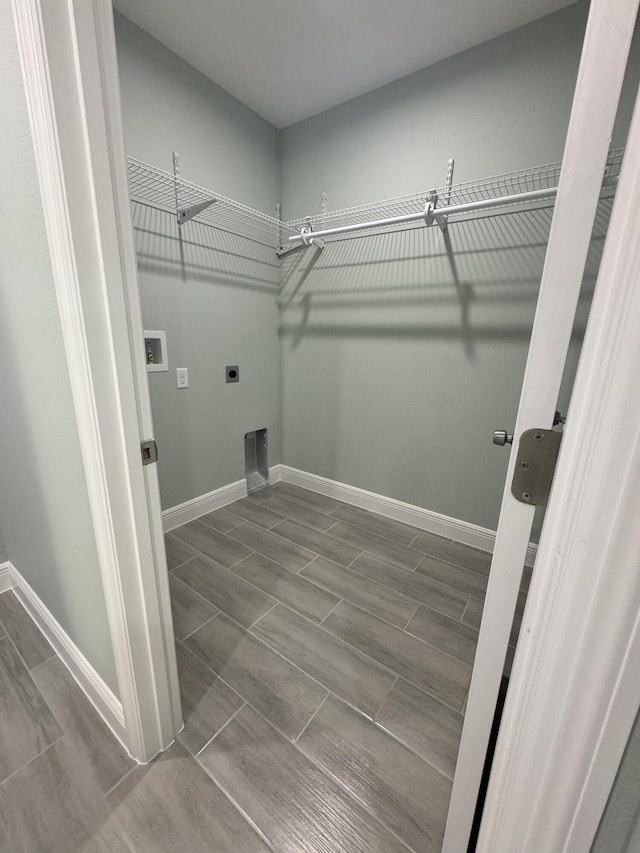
x: 153, y: 187
x: 509, y: 191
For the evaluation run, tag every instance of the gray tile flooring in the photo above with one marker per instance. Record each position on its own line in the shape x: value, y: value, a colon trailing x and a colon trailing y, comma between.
x: 324, y: 655
x: 344, y: 643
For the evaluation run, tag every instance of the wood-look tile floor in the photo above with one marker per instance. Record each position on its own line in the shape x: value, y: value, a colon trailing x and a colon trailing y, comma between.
x: 324, y: 656
x: 323, y: 687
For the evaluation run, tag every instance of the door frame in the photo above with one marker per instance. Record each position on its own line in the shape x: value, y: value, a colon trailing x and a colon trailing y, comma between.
x: 69, y: 67
x: 78, y: 142
x: 601, y: 72
x: 574, y: 691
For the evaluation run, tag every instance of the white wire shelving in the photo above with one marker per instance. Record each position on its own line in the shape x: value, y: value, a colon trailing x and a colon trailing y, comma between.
x: 449, y: 203
x: 163, y: 191
x: 511, y: 191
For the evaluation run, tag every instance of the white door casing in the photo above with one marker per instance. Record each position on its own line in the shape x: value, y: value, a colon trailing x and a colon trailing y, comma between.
x: 600, y: 76
x: 69, y: 67
x: 575, y: 691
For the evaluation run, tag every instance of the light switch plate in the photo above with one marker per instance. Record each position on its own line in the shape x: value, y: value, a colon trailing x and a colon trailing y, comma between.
x: 182, y: 376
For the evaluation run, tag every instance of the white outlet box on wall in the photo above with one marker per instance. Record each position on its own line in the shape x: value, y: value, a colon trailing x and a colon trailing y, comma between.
x: 155, y: 349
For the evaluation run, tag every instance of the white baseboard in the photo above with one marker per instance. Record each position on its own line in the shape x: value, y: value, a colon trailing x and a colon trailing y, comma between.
x: 454, y: 529
x: 92, y: 685
x: 433, y: 522
x: 219, y: 498
x: 6, y: 577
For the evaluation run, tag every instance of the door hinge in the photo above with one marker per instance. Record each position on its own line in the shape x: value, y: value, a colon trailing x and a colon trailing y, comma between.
x: 149, y: 451
x: 535, y: 465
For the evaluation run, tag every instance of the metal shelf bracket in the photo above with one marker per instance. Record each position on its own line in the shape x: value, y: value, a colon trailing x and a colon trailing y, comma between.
x: 431, y: 214
x: 186, y: 213
x: 306, y: 239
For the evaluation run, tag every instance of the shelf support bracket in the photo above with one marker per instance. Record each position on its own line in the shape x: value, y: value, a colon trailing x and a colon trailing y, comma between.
x: 187, y: 213
x: 431, y: 215
x: 431, y: 202
x: 306, y: 239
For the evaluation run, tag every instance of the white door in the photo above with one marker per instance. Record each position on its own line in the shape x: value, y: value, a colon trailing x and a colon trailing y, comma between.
x: 602, y: 67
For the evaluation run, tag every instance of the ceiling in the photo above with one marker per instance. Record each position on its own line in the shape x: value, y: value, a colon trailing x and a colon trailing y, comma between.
x: 288, y: 61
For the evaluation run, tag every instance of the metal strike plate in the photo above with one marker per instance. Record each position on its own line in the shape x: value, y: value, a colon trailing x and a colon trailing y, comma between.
x: 149, y: 452
x: 535, y: 465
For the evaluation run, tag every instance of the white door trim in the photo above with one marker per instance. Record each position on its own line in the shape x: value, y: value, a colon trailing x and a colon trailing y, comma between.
x: 602, y: 67
x: 575, y: 689
x: 68, y: 60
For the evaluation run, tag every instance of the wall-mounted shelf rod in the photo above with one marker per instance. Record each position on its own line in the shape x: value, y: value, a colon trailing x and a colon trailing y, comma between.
x: 432, y: 215
x: 469, y: 207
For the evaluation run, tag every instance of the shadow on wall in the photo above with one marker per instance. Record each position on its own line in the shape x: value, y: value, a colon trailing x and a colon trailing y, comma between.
x: 398, y: 366
x: 417, y: 282
x: 202, y: 253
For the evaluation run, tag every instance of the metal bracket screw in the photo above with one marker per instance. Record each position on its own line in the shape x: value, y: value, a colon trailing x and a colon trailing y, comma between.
x: 524, y: 465
x: 526, y: 496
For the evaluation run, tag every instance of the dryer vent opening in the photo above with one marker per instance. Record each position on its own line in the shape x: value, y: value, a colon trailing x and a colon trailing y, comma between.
x: 256, y: 462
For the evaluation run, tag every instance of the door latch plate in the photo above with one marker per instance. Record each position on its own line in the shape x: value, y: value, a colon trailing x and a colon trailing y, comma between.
x: 149, y: 452
x: 535, y: 465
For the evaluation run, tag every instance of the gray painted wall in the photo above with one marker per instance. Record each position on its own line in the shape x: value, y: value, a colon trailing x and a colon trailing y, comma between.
x: 169, y: 106
x: 213, y: 294
x: 44, y: 508
x: 619, y: 829
x: 394, y: 379
x: 3, y: 550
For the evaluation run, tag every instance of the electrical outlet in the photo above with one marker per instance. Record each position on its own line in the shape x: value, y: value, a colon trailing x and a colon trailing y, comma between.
x: 182, y: 375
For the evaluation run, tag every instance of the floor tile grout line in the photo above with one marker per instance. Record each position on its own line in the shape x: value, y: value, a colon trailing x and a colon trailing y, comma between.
x: 334, y: 637
x: 388, y: 669
x: 315, y: 557
x: 135, y: 766
x: 413, y: 614
x: 342, y: 785
x: 399, y: 740
x: 440, y: 700
x: 224, y: 725
x: 375, y: 584
x: 384, y: 701
x: 331, y: 611
x: 255, y: 622
x: 305, y: 502
x: 420, y: 531
x: 34, y: 757
x: 357, y: 651
x: 375, y: 515
x: 42, y: 662
x: 199, y: 594
x: 311, y: 718
x: 354, y: 559
x: 205, y: 769
x: 271, y: 649
x: 284, y: 539
x: 300, y: 520
x: 191, y: 633
x: 312, y: 678
x: 386, y: 559
x: 324, y: 532
x: 465, y: 610
x: 28, y: 668
x: 328, y: 614
x: 444, y: 586
x: 202, y: 518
